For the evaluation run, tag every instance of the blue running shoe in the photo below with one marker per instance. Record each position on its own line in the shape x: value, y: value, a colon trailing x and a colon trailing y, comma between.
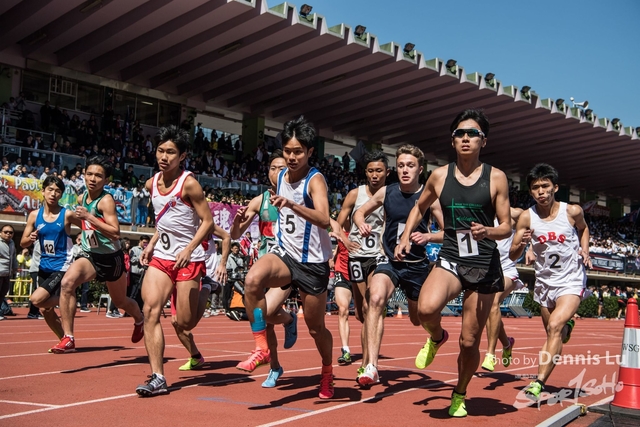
x: 273, y: 376
x: 291, y: 333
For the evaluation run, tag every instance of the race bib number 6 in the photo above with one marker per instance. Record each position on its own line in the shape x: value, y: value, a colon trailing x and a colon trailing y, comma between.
x: 467, y: 245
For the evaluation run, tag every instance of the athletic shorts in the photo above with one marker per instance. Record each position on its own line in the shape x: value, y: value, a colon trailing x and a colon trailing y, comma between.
x: 361, y: 267
x: 341, y: 282
x: 408, y: 276
x: 512, y: 273
x: 193, y: 271
x: 108, y: 267
x: 482, y: 280
x: 50, y: 281
x: 310, y: 278
x: 547, y: 296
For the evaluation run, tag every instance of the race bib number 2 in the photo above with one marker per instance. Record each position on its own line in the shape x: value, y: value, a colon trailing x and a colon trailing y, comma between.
x: 467, y: 245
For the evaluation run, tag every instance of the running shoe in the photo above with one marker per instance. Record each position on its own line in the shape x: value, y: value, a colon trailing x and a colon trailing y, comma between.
x: 153, y: 386
x: 428, y: 352
x: 533, y: 390
x: 273, y: 377
x: 192, y: 364
x: 85, y: 310
x: 359, y: 374
x: 138, y: 332
x: 345, y: 359
x: 369, y: 376
x: 570, y: 324
x: 114, y: 315
x: 458, y: 408
x: 258, y: 357
x: 66, y: 345
x: 489, y: 363
x: 291, y: 333
x: 326, y: 386
x: 507, y: 353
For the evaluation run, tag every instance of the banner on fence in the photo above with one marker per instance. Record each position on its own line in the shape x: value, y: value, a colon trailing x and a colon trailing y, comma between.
x: 20, y: 195
x: 606, y: 262
x: 223, y: 214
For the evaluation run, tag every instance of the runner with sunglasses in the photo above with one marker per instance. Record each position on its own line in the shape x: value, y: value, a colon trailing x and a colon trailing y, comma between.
x: 471, y: 195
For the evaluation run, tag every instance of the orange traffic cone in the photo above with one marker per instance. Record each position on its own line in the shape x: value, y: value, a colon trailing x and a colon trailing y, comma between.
x: 629, y: 394
x: 300, y: 312
x: 399, y: 315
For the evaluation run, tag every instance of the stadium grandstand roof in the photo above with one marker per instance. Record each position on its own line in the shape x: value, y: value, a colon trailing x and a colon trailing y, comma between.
x: 250, y: 57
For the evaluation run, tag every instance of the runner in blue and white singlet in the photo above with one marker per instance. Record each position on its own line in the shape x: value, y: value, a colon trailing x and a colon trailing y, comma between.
x: 303, y: 241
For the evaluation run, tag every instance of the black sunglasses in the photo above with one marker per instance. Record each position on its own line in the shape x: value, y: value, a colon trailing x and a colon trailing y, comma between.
x: 459, y: 133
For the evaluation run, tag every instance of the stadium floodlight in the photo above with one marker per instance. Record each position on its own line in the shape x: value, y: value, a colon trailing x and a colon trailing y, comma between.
x: 360, y: 31
x: 526, y: 92
x: 616, y: 123
x: 305, y: 10
x: 409, y: 50
x: 452, y: 66
x: 638, y: 131
x: 559, y: 102
x: 588, y: 114
x: 490, y: 79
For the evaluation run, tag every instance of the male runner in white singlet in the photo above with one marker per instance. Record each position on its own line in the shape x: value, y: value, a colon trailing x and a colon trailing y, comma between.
x: 560, y: 241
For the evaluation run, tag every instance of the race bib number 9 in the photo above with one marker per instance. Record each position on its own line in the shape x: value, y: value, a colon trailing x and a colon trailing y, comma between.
x: 467, y: 245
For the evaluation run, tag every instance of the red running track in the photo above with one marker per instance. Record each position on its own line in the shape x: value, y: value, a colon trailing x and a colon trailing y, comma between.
x: 96, y: 385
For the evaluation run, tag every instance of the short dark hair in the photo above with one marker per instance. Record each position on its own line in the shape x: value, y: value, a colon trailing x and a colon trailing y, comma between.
x: 277, y: 154
x: 179, y: 137
x: 300, y: 129
x: 145, y: 238
x: 542, y: 171
x: 235, y: 245
x: 101, y: 161
x: 375, y: 156
x: 472, y: 114
x: 51, y: 179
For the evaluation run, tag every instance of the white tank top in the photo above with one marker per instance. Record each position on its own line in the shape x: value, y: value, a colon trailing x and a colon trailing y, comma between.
x: 176, y: 221
x: 556, y: 246
x: 371, y: 246
x: 504, y: 246
x: 300, y: 239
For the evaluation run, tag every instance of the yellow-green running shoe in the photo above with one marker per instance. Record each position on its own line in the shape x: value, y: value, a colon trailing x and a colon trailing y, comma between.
x: 360, y: 372
x: 428, y: 352
x: 457, y: 409
x: 533, y: 390
x: 506, y: 353
x: 570, y: 324
x: 489, y: 362
x: 192, y: 364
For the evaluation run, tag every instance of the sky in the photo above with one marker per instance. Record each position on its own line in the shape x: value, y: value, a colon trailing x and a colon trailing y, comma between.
x: 586, y: 49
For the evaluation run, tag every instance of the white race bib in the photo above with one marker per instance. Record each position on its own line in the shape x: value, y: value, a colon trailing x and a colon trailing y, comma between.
x: 467, y: 245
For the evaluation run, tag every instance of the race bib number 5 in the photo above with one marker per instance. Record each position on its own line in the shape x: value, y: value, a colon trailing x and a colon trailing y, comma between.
x: 467, y: 245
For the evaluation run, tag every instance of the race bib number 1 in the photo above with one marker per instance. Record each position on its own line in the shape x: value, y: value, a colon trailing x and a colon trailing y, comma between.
x: 467, y: 245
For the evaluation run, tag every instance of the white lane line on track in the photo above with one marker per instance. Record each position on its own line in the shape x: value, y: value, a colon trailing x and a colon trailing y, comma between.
x: 17, y: 402
x: 124, y: 396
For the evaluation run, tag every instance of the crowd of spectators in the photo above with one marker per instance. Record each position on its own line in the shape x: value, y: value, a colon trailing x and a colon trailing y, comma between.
x: 613, y: 237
